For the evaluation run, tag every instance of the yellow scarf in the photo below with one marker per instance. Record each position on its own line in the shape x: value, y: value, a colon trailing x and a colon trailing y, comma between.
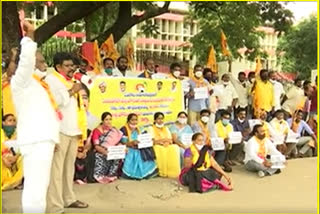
x: 195, y: 156
x: 51, y: 98
x: 205, y: 131
x: 81, y: 114
x: 295, y: 126
x: 160, y: 133
x: 199, y: 82
x: 279, y: 128
x: 146, y: 74
x: 262, y: 147
x: 129, y: 132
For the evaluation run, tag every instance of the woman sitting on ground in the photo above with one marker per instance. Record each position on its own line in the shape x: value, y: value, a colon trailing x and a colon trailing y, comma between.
x: 202, y: 172
x: 167, y: 154
x: 139, y: 163
x: 104, y: 136
x: 11, y: 173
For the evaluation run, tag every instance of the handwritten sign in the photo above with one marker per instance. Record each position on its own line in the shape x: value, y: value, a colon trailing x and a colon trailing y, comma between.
x: 292, y: 137
x: 277, y: 161
x: 277, y: 139
x: 185, y: 85
x: 186, y: 139
x: 217, y: 143
x: 254, y: 122
x: 235, y: 137
x: 116, y: 152
x: 201, y: 93
x: 145, y: 141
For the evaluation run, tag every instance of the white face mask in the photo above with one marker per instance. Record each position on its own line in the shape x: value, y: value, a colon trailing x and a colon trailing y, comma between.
x: 198, y: 74
x: 182, y: 120
x: 241, y: 121
x: 199, y: 147
x: 272, y: 81
x: 40, y: 73
x: 205, y: 119
x: 225, y: 83
x: 159, y: 125
x: 176, y: 74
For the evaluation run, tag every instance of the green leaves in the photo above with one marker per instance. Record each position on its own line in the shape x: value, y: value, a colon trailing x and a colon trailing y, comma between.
x: 299, y: 46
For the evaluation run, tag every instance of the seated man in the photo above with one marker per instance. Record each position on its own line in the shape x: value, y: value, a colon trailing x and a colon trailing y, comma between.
x: 240, y: 124
x: 305, y: 143
x: 208, y: 130
x: 281, y: 129
x: 257, y: 149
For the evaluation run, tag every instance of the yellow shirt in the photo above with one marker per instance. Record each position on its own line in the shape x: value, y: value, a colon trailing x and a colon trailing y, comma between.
x: 160, y: 133
x: 7, y: 102
x: 223, y: 131
x: 263, y: 95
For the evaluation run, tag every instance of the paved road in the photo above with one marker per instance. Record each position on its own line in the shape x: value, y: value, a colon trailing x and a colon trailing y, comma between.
x: 294, y: 190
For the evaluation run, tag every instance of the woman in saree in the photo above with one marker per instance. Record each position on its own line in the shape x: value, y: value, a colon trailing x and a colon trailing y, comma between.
x: 139, y: 163
x: 12, y: 172
x: 202, y: 172
x: 104, y: 136
x: 167, y: 153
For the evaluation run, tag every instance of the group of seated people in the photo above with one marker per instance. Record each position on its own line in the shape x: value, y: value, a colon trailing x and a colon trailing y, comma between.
x: 195, y: 162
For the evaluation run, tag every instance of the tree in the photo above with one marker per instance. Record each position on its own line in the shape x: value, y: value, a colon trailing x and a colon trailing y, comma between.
x: 299, y: 47
x: 101, y: 14
x: 239, y: 21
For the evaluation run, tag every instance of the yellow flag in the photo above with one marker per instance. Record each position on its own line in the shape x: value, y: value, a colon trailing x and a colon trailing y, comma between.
x: 129, y: 54
x: 224, y: 45
x: 97, y: 58
x: 211, y: 61
x: 258, y: 65
x: 109, y: 50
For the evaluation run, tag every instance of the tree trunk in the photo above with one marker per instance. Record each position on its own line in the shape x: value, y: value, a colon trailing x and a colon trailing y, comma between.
x: 11, y: 31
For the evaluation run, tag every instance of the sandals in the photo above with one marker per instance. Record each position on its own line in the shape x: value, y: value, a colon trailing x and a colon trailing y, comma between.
x: 78, y: 204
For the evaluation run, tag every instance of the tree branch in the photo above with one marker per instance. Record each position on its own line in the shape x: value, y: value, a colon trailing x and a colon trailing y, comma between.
x: 61, y: 20
x: 125, y: 21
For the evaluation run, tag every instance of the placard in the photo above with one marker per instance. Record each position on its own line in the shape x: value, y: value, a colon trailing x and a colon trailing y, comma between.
x: 254, y: 122
x: 186, y: 139
x: 278, y: 139
x: 277, y: 161
x: 217, y: 143
x: 201, y: 93
x: 292, y: 137
x: 235, y: 137
x: 116, y: 152
x: 145, y: 141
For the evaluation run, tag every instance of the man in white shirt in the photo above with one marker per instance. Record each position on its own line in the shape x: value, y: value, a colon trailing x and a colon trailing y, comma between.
x: 294, y: 98
x: 66, y: 94
x: 278, y: 90
x: 38, y: 123
x: 121, y: 69
x: 256, y: 151
x: 227, y: 96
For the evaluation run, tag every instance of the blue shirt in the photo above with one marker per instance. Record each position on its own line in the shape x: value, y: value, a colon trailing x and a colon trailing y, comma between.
x: 302, y: 126
x: 240, y: 127
x: 199, y: 104
x: 179, y: 132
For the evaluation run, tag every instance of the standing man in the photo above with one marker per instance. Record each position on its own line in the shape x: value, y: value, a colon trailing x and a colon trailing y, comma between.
x: 73, y: 125
x: 149, y: 69
x: 277, y: 90
x: 196, y: 104
x: 38, y: 123
x: 121, y: 69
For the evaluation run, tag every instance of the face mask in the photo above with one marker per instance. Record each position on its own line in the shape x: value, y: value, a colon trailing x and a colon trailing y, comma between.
x: 133, y: 126
x: 182, y: 120
x: 253, y: 79
x: 198, y: 74
x: 176, y: 73
x: 159, y: 125
x: 205, y: 119
x: 199, y: 147
x: 272, y: 81
x: 9, y: 130
x: 241, y: 121
x: 225, y: 83
x: 225, y: 122
x: 40, y: 73
x: 108, y: 71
